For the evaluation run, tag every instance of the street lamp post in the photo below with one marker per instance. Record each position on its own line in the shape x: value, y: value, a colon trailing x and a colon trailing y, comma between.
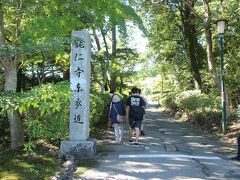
x: 220, y: 30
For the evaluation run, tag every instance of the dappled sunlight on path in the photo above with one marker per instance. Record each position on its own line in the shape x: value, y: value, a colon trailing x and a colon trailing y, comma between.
x: 169, y: 150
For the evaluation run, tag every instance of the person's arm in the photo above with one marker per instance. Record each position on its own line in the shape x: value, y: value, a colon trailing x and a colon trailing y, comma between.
x: 127, y: 113
x: 146, y: 102
x: 143, y: 104
x: 127, y: 108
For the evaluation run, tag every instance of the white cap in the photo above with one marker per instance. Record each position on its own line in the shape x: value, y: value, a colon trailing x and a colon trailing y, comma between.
x: 116, y: 98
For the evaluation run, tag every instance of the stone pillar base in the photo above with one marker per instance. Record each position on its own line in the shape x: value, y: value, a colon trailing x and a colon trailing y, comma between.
x: 78, y: 149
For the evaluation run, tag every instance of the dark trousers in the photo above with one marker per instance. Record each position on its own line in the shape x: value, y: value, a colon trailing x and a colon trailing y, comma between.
x: 238, y: 141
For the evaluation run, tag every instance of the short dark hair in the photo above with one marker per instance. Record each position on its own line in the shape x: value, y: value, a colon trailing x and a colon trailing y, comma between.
x: 134, y: 90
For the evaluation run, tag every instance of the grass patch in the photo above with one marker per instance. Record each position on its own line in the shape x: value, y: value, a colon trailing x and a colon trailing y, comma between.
x: 18, y: 165
x: 85, y: 165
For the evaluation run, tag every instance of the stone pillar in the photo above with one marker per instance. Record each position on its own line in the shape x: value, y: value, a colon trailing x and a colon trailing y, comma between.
x: 79, y: 144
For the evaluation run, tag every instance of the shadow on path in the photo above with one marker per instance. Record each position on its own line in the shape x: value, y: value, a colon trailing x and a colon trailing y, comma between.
x: 169, y: 150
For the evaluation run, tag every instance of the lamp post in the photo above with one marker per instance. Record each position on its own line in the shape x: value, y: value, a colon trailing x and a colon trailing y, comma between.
x: 220, y: 30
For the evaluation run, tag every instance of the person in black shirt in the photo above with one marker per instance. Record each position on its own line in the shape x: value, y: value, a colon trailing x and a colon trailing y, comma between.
x: 145, y: 106
x: 134, y: 113
x: 237, y: 158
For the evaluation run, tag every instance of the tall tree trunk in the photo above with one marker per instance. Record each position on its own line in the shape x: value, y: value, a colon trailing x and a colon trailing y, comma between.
x: 21, y: 80
x: 41, y: 73
x: 208, y: 35
x: 211, y: 66
x: 102, y: 85
x: 96, y: 40
x: 10, y: 65
x: 107, y: 60
x: 121, y: 84
x: 114, y: 40
x: 16, y: 129
x: 113, y: 85
x: 66, y: 75
x: 16, y: 124
x: 192, y: 44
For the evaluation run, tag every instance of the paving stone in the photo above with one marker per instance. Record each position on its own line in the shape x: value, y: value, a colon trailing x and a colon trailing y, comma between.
x: 170, y: 147
x: 174, y: 133
x: 183, y: 148
x: 165, y: 130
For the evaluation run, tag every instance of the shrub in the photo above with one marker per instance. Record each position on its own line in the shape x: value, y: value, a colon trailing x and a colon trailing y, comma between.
x: 97, y: 106
x: 201, y: 109
x: 45, y: 111
x: 169, y: 102
x: 207, y: 120
x: 194, y: 102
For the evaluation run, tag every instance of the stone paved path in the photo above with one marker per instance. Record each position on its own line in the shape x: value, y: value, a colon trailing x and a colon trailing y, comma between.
x: 169, y: 150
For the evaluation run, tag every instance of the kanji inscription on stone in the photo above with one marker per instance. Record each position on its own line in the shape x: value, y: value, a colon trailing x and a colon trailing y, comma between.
x: 80, y: 85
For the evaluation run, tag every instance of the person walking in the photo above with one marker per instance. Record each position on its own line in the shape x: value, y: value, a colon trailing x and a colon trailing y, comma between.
x: 145, y: 106
x: 134, y: 113
x: 237, y: 158
x: 117, y: 107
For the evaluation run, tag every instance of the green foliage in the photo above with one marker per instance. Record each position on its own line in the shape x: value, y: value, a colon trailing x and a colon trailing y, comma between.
x: 97, y: 107
x: 168, y: 43
x: 194, y: 101
x: 201, y: 109
x: 1, y: 78
x: 45, y: 111
x: 18, y: 165
x: 124, y: 97
x: 112, y: 12
x: 206, y: 120
x: 29, y: 146
x: 169, y: 101
x: 4, y: 126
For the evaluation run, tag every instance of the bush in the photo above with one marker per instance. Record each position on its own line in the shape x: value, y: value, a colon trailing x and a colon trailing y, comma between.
x: 201, y: 109
x: 156, y: 98
x: 169, y: 102
x: 207, y: 120
x: 194, y: 102
x: 45, y: 111
x: 98, y: 104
